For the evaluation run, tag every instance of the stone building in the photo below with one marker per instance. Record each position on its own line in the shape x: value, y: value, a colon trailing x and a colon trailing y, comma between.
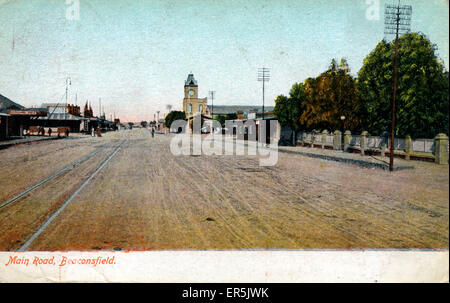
x: 192, y: 104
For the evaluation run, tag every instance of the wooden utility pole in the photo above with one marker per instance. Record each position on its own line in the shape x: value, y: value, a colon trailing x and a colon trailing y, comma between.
x: 397, y: 20
x: 263, y: 76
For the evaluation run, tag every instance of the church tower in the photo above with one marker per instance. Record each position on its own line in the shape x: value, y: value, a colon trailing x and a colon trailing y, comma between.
x: 192, y: 105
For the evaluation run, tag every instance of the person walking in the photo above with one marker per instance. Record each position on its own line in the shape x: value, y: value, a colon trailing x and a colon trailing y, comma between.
x: 153, y: 132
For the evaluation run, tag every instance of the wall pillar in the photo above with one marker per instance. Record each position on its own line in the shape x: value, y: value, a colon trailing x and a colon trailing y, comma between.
x: 408, y: 147
x: 337, y: 140
x: 363, y: 142
x: 324, y: 138
x: 347, y: 137
x: 440, y: 149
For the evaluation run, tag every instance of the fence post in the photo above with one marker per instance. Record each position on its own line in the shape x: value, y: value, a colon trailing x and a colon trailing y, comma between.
x: 347, y: 136
x: 440, y: 149
x: 337, y: 140
x: 363, y: 142
x: 408, y: 147
x: 324, y: 138
x: 384, y: 142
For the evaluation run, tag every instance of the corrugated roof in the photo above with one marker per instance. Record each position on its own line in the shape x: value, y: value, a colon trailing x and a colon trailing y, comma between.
x: 6, y: 104
x: 53, y: 105
x: 231, y: 109
x: 61, y: 116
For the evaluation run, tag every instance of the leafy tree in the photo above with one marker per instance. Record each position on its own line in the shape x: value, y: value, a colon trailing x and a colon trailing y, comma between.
x: 289, y: 109
x: 172, y: 116
x: 422, y: 100
x: 328, y: 97
x: 223, y: 118
x: 144, y: 124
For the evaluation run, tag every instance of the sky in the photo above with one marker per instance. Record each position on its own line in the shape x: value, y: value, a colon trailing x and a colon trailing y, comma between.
x: 135, y: 55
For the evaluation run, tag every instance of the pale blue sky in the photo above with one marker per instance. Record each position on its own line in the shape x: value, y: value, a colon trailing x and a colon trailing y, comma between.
x: 135, y: 55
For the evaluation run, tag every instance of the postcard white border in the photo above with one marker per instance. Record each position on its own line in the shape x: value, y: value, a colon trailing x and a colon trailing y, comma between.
x: 273, y: 266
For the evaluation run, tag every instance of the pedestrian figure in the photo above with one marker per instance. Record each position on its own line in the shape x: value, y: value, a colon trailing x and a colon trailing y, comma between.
x: 92, y: 132
x: 49, y: 131
x: 67, y: 132
x: 153, y: 132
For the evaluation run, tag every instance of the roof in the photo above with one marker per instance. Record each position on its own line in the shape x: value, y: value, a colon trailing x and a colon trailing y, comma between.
x: 202, y: 116
x: 61, y: 116
x: 190, y: 81
x: 44, y: 109
x: 6, y: 104
x: 53, y: 105
x: 231, y: 109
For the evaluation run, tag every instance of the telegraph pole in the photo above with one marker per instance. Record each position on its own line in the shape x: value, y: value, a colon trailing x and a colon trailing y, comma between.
x: 212, y: 93
x: 397, y: 20
x: 264, y: 76
x: 68, y: 82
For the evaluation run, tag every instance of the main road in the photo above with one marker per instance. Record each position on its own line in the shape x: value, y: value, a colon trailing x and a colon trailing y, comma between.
x: 127, y: 191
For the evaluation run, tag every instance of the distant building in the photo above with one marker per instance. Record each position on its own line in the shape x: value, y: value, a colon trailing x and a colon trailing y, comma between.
x: 160, y: 127
x: 87, y: 112
x: 60, y: 115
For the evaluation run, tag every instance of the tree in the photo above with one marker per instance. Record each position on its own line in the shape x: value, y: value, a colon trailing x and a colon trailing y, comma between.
x: 172, y: 116
x: 144, y: 124
x: 328, y: 97
x: 288, y: 109
x: 223, y: 118
x: 422, y: 89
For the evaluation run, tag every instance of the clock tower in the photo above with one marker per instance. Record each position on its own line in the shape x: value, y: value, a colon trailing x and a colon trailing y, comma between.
x: 192, y: 105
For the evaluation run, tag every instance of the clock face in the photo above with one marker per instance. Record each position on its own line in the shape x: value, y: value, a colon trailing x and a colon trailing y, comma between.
x: 191, y: 92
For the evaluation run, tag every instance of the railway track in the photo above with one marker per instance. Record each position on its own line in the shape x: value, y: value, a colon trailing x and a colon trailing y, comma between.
x: 53, y: 176
x: 47, y: 218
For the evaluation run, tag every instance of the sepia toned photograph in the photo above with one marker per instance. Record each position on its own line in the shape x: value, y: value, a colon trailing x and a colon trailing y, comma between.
x: 295, y: 131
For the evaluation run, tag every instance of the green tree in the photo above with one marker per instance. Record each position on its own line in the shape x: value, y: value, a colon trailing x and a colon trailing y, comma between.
x: 173, y: 116
x: 289, y: 109
x: 330, y: 96
x: 422, y: 100
x: 223, y: 118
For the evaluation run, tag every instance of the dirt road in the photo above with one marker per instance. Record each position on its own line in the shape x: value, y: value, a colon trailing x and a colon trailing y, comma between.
x: 146, y: 198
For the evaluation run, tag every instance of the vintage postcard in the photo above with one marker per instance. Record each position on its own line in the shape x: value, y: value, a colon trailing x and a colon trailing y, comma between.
x: 224, y: 141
